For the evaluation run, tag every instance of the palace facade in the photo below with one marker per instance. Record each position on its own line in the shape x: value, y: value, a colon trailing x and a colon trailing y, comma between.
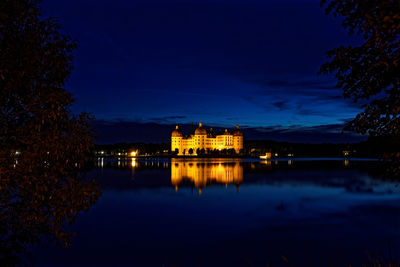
x: 207, y: 140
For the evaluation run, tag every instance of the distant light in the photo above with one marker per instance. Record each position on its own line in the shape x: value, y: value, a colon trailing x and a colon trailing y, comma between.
x: 133, y: 153
x: 266, y: 156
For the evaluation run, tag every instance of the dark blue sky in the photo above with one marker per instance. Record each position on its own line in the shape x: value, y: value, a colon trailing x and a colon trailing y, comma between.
x: 254, y: 63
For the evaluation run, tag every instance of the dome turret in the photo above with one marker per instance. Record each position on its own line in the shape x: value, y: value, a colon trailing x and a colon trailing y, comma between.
x: 200, y: 130
x: 177, y: 132
x: 237, y: 132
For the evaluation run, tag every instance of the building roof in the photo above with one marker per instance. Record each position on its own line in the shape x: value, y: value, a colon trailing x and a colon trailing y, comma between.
x: 177, y: 132
x: 226, y: 132
x: 210, y: 134
x: 237, y: 132
x: 200, y: 130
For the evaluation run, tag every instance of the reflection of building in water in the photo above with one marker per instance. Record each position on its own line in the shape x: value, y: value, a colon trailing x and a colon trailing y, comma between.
x: 206, y: 141
x: 203, y: 173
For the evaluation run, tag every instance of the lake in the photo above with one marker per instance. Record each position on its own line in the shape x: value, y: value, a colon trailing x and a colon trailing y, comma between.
x: 233, y: 212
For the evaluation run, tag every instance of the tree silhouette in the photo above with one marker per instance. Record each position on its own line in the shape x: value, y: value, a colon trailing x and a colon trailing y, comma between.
x: 43, y: 147
x: 369, y: 73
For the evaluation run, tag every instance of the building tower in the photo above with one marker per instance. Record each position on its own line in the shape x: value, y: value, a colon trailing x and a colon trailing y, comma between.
x: 200, y: 136
x: 237, y: 139
x: 176, y: 141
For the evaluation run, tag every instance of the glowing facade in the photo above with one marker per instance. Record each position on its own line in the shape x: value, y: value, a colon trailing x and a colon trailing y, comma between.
x: 207, y: 140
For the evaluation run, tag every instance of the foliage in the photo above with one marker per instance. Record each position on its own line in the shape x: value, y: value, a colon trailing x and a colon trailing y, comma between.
x: 369, y: 73
x: 201, y: 151
x: 43, y: 147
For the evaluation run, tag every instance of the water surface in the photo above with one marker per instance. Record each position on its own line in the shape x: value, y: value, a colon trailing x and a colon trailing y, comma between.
x: 235, y: 212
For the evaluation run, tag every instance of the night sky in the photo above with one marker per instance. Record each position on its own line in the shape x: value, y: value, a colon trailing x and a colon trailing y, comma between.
x: 143, y: 66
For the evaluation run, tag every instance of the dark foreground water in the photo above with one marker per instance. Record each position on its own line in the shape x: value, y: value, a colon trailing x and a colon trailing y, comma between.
x: 235, y: 213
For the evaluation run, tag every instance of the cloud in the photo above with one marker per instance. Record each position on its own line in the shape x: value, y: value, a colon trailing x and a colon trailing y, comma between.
x: 281, y: 105
x: 166, y: 119
x: 114, y: 131
x: 315, y: 83
x: 293, y: 97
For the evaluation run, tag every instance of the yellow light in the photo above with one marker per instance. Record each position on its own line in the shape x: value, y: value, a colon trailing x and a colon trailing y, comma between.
x: 266, y: 156
x: 133, y: 153
x: 133, y: 163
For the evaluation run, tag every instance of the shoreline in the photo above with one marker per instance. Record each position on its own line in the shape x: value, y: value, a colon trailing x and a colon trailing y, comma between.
x: 240, y: 157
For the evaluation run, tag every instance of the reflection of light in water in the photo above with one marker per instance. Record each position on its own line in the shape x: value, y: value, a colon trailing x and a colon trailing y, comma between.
x: 134, y: 165
x: 276, y: 162
x: 266, y: 162
x: 346, y: 162
x: 205, y: 173
x: 289, y: 162
x: 119, y: 162
x: 102, y: 162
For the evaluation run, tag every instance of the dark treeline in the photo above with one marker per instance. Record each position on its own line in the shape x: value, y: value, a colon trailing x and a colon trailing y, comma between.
x: 124, y: 149
x: 374, y: 147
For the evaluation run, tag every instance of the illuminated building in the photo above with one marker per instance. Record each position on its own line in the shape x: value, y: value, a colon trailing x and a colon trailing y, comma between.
x: 205, y: 173
x: 207, y: 140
